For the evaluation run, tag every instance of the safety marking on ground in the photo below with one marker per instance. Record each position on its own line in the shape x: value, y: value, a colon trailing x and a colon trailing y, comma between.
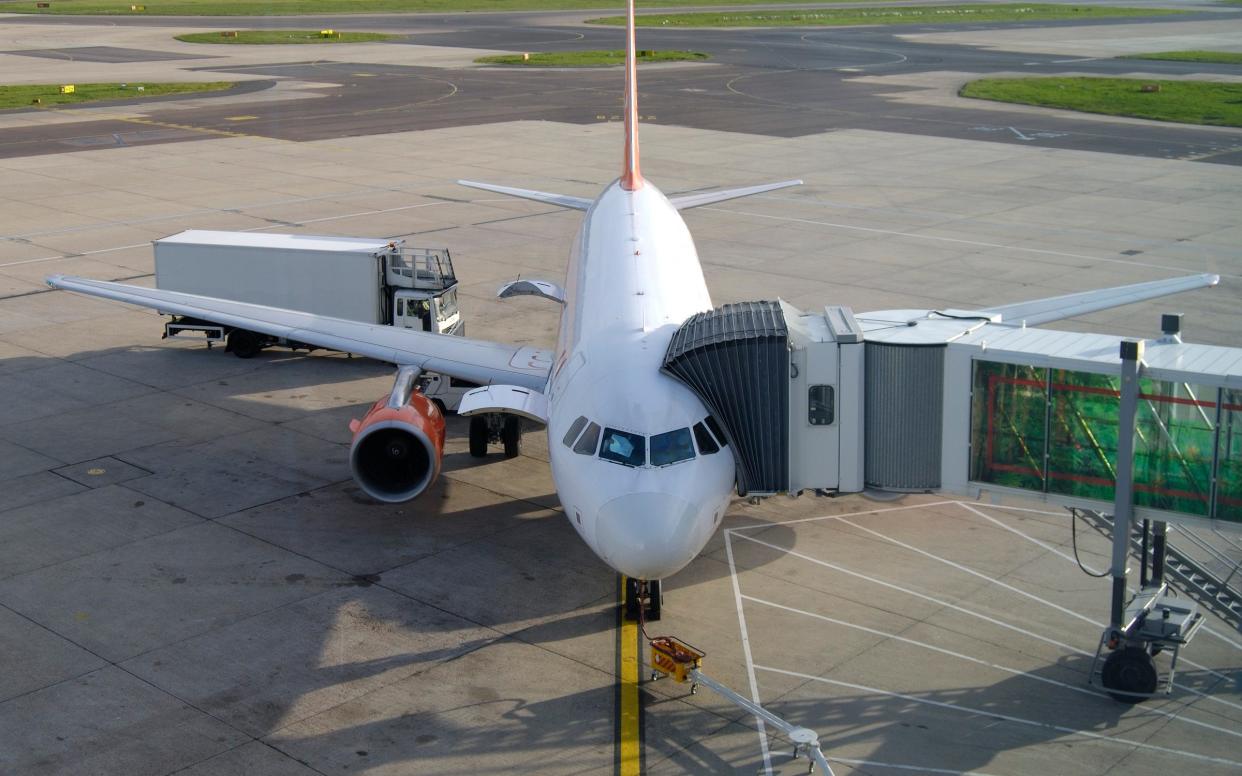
x: 1173, y: 713
x: 629, y: 710
x: 240, y: 118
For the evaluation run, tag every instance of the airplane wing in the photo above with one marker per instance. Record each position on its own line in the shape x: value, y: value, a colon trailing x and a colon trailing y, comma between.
x: 1070, y: 305
x: 563, y: 200
x: 469, y: 359
x: 686, y: 201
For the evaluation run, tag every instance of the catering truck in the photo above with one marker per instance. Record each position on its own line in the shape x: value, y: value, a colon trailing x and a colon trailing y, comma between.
x: 360, y: 279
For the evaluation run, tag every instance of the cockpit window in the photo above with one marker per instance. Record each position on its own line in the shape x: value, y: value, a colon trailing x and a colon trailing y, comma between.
x: 707, y: 443
x: 623, y: 447
x: 574, y: 430
x: 716, y: 430
x: 671, y: 447
x: 588, y: 440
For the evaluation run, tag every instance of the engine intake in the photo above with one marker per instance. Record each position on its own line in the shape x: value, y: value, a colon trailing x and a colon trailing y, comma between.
x: 396, y: 451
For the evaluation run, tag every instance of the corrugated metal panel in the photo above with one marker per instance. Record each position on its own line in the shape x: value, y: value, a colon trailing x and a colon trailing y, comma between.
x: 903, y: 408
x: 736, y: 359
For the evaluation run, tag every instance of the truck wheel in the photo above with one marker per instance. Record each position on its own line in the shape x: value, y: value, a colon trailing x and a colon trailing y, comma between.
x: 478, y: 436
x: 244, y: 344
x: 512, y: 436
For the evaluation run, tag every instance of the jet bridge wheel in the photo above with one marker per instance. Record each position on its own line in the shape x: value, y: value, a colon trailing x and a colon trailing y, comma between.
x: 478, y: 436
x: 1129, y: 670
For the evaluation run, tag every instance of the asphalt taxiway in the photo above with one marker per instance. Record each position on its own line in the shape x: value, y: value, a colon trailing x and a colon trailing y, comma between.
x: 191, y: 583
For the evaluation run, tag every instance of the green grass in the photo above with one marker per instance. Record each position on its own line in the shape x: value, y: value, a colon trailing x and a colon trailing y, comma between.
x: 1216, y: 57
x: 927, y: 14
x: 49, y: 94
x: 284, y: 36
x: 1188, y: 102
x: 296, y: 7
x: 589, y: 58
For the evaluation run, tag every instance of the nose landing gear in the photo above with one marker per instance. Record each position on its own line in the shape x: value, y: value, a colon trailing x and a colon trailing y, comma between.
x: 643, y: 599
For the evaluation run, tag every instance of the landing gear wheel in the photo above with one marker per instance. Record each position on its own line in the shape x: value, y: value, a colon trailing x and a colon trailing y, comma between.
x: 478, y: 436
x: 511, y: 435
x: 244, y: 344
x: 644, y: 594
x: 1129, y: 670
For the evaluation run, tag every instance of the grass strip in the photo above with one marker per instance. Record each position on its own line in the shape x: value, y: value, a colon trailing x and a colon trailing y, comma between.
x: 1214, y: 57
x: 927, y: 14
x: 1188, y: 102
x: 299, y: 7
x: 25, y: 96
x: 268, y: 37
x: 588, y: 58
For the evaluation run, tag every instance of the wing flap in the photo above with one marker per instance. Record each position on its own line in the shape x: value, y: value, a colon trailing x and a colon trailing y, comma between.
x: 1039, y: 311
x: 478, y: 361
x: 561, y: 200
x: 686, y: 201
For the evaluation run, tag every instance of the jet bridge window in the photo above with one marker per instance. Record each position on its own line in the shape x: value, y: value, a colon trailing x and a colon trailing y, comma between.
x: 623, y: 447
x: 671, y: 447
x: 821, y: 405
x: 588, y: 441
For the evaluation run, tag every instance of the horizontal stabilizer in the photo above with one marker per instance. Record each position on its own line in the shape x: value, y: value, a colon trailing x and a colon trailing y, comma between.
x: 1055, y: 308
x: 709, y: 197
x: 563, y: 200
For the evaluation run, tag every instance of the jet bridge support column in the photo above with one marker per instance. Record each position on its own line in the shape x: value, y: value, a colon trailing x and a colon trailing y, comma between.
x: 1123, y: 503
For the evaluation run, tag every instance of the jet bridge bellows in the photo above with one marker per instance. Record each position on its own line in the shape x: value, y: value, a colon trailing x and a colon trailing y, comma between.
x: 736, y: 358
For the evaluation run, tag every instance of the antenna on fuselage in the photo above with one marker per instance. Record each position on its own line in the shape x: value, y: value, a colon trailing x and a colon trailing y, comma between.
x: 631, y: 177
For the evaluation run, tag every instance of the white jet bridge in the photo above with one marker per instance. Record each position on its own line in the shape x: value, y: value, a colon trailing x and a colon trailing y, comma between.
x: 968, y: 402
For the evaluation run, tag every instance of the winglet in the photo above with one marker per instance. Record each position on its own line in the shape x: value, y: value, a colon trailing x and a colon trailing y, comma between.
x: 631, y: 177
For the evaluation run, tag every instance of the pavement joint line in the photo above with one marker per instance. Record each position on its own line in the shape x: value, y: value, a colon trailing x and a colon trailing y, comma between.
x: 894, y: 766
x: 1018, y: 591
x: 1006, y: 717
x: 957, y: 240
x: 1172, y: 715
x: 964, y: 610
x: 760, y: 725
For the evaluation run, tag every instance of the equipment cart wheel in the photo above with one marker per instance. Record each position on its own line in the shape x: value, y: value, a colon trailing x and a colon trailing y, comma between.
x: 1128, y: 672
x: 244, y: 343
x: 511, y: 435
x: 478, y: 436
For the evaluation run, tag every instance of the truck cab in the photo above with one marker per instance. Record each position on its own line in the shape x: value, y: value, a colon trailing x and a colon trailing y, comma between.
x: 426, y: 312
x: 424, y: 290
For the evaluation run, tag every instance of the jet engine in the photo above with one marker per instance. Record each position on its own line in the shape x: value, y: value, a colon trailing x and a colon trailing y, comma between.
x: 398, y: 444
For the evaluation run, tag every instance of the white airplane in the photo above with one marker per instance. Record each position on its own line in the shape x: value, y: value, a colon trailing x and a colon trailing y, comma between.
x: 643, y: 472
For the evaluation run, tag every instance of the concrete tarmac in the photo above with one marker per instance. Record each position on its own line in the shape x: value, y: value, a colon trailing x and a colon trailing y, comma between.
x: 191, y: 583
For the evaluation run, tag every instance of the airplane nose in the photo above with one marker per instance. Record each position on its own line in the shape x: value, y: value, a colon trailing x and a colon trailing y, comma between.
x: 648, y: 535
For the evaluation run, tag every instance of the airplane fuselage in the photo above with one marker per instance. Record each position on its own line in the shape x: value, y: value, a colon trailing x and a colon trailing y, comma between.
x: 638, y: 488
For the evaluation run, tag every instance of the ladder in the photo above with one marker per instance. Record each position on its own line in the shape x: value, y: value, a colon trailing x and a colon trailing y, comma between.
x: 1192, y: 577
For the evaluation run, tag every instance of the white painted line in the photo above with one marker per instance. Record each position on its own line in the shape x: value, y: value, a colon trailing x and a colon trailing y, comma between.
x: 1082, y: 59
x: 750, y: 663
x: 958, y: 240
x: 894, y: 766
x: 1174, y: 715
x: 1007, y: 717
x: 1031, y: 596
x: 969, y: 612
x: 846, y: 514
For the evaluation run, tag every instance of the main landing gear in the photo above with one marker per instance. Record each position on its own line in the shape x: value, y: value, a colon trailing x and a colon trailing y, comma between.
x: 495, y: 427
x: 643, y: 599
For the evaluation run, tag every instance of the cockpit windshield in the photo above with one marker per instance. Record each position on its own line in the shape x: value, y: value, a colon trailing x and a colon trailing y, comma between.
x: 623, y: 447
x: 671, y: 447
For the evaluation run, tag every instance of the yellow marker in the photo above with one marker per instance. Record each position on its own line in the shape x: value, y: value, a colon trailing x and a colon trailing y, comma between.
x: 95, y: 472
x: 629, y: 753
x: 67, y: 89
x: 239, y: 118
x: 327, y: 33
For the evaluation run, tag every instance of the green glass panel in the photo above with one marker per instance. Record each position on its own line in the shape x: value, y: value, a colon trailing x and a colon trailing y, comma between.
x: 1229, y: 456
x: 1082, y: 449
x: 1008, y: 410
x: 1175, y: 430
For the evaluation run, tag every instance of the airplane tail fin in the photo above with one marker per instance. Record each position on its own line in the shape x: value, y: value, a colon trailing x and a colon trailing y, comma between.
x: 631, y: 177
x: 1038, y: 311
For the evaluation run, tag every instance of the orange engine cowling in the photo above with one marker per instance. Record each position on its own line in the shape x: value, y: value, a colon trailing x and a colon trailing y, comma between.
x: 396, y: 451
